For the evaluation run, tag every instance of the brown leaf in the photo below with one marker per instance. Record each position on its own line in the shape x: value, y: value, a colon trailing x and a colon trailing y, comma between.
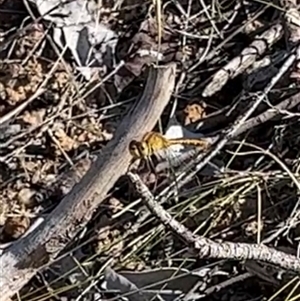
x: 194, y: 112
x: 66, y: 142
x: 25, y: 196
x: 15, y: 227
x: 34, y: 117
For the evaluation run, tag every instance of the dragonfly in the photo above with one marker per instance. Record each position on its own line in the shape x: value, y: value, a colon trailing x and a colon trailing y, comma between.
x: 154, y: 143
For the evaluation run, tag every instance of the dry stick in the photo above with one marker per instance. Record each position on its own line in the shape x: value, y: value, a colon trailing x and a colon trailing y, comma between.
x: 207, y: 248
x: 51, y: 118
x: 240, y: 63
x: 23, y: 259
x: 226, y: 283
x: 40, y: 90
x: 22, y: 106
x: 22, y: 31
x: 287, y: 104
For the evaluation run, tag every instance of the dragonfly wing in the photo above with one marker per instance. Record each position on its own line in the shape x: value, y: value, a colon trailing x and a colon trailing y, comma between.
x: 176, y: 130
x: 166, y: 153
x: 170, y: 154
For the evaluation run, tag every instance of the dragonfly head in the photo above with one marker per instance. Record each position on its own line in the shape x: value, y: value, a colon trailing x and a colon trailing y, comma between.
x: 138, y: 150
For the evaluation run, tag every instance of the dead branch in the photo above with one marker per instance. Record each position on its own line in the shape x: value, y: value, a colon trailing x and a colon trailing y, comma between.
x: 206, y: 248
x: 20, y: 262
x: 269, y: 114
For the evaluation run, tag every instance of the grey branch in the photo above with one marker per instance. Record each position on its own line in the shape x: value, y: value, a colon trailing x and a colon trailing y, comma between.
x: 206, y: 248
x: 20, y: 262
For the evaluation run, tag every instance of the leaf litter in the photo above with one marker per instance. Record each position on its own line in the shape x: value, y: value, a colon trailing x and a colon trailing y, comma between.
x: 46, y: 147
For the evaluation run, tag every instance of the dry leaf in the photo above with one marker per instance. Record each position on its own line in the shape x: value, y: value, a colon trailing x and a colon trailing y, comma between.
x: 194, y: 112
x: 15, y: 96
x: 66, y: 142
x: 15, y: 227
x: 25, y: 196
x: 34, y: 117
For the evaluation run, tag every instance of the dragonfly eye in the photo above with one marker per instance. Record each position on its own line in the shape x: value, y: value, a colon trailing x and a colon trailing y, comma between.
x: 134, y: 149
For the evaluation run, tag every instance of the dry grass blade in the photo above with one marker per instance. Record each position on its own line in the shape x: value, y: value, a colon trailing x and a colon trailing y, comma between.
x: 24, y: 258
